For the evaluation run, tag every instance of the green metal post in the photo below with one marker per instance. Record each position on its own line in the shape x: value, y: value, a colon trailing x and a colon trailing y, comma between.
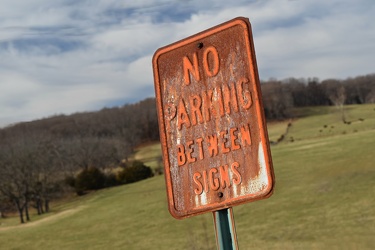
x: 226, y: 238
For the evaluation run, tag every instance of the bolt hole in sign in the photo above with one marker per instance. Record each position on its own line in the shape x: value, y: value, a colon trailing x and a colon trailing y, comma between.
x: 212, y: 128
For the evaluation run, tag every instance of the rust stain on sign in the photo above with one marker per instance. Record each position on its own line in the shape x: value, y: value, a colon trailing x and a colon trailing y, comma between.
x: 212, y: 127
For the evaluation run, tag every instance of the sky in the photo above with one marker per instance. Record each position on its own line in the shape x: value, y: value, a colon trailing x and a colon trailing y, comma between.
x: 68, y: 56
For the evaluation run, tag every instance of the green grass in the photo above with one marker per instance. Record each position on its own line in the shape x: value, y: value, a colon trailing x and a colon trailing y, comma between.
x: 276, y: 129
x: 323, y: 199
x: 150, y: 154
x: 326, y: 121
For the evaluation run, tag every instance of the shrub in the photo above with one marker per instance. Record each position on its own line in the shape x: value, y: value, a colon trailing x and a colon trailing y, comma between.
x: 70, y: 181
x: 111, y: 180
x: 89, y: 179
x: 136, y: 172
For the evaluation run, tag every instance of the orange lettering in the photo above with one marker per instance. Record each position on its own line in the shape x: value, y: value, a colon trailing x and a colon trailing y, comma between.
x: 195, y: 105
x: 244, y: 95
x: 205, y: 182
x: 200, y: 147
x: 207, y: 104
x: 230, y: 98
x: 218, y: 97
x: 181, y: 158
x: 214, y: 182
x: 212, y: 148
x: 223, y: 170
x: 182, y: 116
x: 224, y: 149
x: 189, y: 68
x: 245, y: 135
x: 233, y: 138
x: 199, y: 188
x: 215, y: 58
x: 190, y: 159
x: 216, y: 177
x: 237, y: 180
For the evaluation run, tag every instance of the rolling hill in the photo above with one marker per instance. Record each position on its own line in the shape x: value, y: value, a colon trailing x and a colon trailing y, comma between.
x: 323, y: 199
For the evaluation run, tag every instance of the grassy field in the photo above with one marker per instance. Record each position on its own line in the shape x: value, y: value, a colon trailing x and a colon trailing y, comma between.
x: 150, y: 154
x: 324, y: 199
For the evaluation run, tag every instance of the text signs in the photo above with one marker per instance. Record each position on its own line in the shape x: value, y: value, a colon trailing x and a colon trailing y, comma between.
x: 212, y: 128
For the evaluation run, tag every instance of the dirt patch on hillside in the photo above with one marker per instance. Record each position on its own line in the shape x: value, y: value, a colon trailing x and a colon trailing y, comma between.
x: 312, y: 145
x: 49, y: 218
x: 283, y: 136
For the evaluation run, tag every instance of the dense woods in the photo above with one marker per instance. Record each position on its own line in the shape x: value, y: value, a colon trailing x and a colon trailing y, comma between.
x: 281, y: 96
x: 39, y: 159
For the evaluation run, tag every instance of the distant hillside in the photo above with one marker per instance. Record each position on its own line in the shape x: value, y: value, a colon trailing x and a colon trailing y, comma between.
x: 38, y: 158
x: 323, y: 199
x: 35, y: 157
x: 279, y: 99
x: 133, y: 122
x: 281, y: 96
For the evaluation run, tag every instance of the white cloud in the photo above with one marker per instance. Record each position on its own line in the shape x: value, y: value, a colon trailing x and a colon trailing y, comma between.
x: 66, y: 56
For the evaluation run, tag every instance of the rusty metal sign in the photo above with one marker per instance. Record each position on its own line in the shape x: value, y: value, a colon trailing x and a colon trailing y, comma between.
x: 212, y: 127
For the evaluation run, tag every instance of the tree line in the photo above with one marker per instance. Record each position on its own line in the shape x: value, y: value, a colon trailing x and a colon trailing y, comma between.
x: 281, y: 96
x: 39, y: 158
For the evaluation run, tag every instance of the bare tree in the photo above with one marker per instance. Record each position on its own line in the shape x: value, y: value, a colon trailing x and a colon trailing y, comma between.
x: 15, y: 178
x: 27, y: 166
x: 336, y: 93
x: 48, y: 172
x: 277, y: 100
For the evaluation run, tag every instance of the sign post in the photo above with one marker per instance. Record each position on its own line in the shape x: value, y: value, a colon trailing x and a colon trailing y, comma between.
x: 212, y: 127
x: 225, y: 230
